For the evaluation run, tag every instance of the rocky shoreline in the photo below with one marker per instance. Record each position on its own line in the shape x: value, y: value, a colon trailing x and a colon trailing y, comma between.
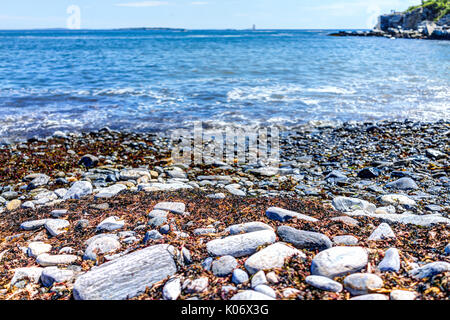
x: 354, y: 211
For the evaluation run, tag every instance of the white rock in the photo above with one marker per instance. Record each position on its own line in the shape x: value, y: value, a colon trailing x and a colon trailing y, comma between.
x: 174, y: 207
x: 32, y: 274
x: 247, y: 227
x: 240, y: 245
x: 51, y: 275
x: 324, y: 283
x: 196, y: 286
x: 284, y: 215
x: 271, y: 257
x: 258, y: 279
x: 362, y: 283
x: 397, y: 199
x: 78, y: 190
x: 172, y: 289
x: 339, y: 261
x: 111, y: 224
x: 403, y: 295
x: 345, y: 204
x: 37, y: 248
x: 383, y: 232
x: 250, y: 295
x: 46, y: 260
x: 127, y: 276
x: 56, y: 226
x: 111, y: 191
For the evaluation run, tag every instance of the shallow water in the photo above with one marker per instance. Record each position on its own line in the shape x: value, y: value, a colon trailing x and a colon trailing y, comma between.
x: 158, y: 80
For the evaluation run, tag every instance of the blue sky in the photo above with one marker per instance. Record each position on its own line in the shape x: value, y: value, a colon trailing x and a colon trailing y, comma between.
x: 198, y: 14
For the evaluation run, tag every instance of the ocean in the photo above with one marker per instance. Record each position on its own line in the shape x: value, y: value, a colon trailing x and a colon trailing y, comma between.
x: 143, y: 80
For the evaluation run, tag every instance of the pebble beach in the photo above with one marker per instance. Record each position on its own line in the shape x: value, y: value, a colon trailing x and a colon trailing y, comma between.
x: 354, y: 211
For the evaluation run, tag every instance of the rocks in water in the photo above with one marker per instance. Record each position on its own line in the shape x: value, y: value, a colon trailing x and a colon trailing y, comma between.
x: 248, y: 295
x: 196, y: 286
x: 78, y: 190
x: 304, y: 239
x: 100, y: 244
x: 127, y: 276
x: 239, y: 276
x: 174, y: 207
x: 383, y: 232
x: 403, y: 184
x: 39, y: 181
x: 403, y: 295
x: 431, y: 269
x: 258, y: 279
x: 324, y: 283
x: 391, y: 261
x: 37, y: 248
x: 111, y: 224
x: 345, y: 240
x: 397, y: 199
x: 32, y: 274
x: 283, y: 215
x: 247, y: 227
x: 89, y: 161
x: 374, y: 296
x: 172, y: 289
x: 339, y: 261
x: 51, y: 275
x: 46, y: 260
x: 240, y: 245
x: 369, y: 173
x: 345, y: 204
x: 362, y: 283
x: 111, y: 191
x: 271, y: 257
x: 56, y: 226
x: 223, y: 266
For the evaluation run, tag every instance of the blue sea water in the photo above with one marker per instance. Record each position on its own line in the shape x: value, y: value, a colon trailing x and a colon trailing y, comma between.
x: 157, y: 80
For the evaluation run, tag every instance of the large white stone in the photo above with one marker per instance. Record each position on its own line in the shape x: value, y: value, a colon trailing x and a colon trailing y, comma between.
x: 240, y: 245
x: 271, y: 257
x: 78, y: 190
x: 339, y: 261
x: 127, y: 276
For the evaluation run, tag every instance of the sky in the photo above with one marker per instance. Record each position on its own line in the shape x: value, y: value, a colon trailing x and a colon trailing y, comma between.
x: 196, y: 14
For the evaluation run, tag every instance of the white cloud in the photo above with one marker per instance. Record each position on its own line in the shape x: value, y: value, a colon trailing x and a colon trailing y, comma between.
x: 142, y: 4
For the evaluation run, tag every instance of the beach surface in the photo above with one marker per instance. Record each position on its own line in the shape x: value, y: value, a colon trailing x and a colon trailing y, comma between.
x: 78, y: 211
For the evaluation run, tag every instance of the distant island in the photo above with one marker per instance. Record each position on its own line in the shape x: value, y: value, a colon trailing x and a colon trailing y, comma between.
x: 430, y: 20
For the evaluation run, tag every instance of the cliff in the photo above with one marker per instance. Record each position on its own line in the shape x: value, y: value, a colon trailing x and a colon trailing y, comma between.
x: 430, y: 20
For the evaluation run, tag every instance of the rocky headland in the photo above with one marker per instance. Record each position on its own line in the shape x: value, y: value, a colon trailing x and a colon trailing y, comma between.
x: 431, y: 20
x: 354, y: 211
